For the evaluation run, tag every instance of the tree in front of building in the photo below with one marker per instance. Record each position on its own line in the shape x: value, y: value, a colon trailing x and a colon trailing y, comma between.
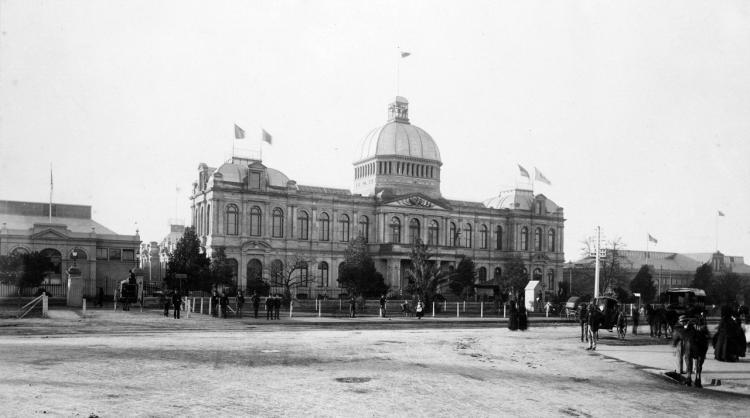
x: 643, y: 283
x: 222, y: 271
x: 726, y: 287
x: 189, y: 259
x: 515, y: 278
x: 462, y: 279
x: 423, y: 273
x: 358, y: 274
x: 291, y: 274
x: 24, y: 271
x: 704, y: 276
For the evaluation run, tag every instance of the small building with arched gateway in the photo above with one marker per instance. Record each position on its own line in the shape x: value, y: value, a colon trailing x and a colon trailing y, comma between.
x: 262, y: 219
x: 72, y: 237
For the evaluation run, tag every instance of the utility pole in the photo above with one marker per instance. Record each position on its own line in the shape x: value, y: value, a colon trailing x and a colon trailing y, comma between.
x: 596, y: 268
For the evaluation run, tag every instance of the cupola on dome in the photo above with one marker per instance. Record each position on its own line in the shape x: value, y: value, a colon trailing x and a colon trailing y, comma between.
x: 398, y: 137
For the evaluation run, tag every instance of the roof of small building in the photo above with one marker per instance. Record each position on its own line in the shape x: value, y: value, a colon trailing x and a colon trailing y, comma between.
x: 79, y: 225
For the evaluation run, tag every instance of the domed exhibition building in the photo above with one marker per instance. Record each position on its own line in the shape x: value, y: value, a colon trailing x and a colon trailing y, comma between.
x: 263, y: 219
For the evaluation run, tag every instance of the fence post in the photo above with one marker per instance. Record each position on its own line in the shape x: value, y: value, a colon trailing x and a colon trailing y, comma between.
x: 84, y: 307
x: 433, y: 308
x: 291, y: 308
x: 464, y: 306
x: 445, y: 305
x: 187, y: 302
x: 504, y: 306
x: 114, y: 297
x: 201, y: 305
x: 45, y: 304
x: 192, y: 305
x: 481, y: 309
x: 457, y: 311
x: 320, y: 309
x: 210, y: 311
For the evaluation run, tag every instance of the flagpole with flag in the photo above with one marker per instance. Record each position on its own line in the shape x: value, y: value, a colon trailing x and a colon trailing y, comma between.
x: 398, y: 69
x: 239, y: 133
x: 650, y: 239
x: 718, y: 214
x: 264, y: 137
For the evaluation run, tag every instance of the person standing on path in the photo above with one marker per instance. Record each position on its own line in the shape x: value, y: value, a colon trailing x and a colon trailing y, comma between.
x: 383, y: 303
x: 594, y: 322
x: 547, y: 307
x: 269, y: 307
x: 165, y: 303
x: 277, y: 306
x: 352, y: 307
x: 224, y: 303
x: 176, y: 302
x: 523, y: 318
x: 583, y: 318
x: 240, y: 302
x: 420, y: 309
x: 636, y: 318
x: 256, y: 303
x: 513, y: 317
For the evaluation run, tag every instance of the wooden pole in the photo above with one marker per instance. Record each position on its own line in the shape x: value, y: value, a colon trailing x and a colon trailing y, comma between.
x: 481, y: 309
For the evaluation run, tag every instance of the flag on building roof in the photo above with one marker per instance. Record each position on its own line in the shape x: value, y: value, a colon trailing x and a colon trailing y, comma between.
x: 540, y: 177
x: 524, y: 173
x: 652, y: 239
x: 265, y: 136
x: 239, y: 133
x: 405, y: 54
x: 721, y: 213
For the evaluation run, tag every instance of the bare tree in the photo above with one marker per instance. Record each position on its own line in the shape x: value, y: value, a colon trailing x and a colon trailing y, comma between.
x: 424, y: 274
x: 293, y: 273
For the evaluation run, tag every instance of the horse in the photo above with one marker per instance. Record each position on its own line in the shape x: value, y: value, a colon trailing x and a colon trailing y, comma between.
x: 658, y: 319
x: 693, y: 345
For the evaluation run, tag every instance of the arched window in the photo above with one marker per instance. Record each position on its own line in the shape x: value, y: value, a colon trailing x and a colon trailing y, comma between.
x: 468, y: 236
x: 278, y: 223
x: 454, y: 235
x: 498, y: 273
x: 525, y: 239
x: 433, y: 233
x: 484, y: 240
x: 364, y: 227
x: 413, y: 230
x: 344, y: 227
x: 482, y: 274
x: 276, y: 273
x: 79, y: 254
x: 55, y: 260
x: 234, y: 266
x: 325, y: 226
x: 499, y: 237
x: 341, y: 268
x: 323, y: 273
x: 538, y: 239
x: 18, y: 251
x: 395, y: 230
x: 231, y: 220
x: 303, y: 225
x: 551, y: 240
x: 255, y: 216
x: 538, y: 274
x: 254, y: 273
x: 201, y: 220
x: 302, y: 274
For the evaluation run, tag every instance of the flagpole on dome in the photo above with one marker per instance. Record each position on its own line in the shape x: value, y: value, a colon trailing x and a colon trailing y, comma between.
x: 402, y: 54
x: 718, y: 214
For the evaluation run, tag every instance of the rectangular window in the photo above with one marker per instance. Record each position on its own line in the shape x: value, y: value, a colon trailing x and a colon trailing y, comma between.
x: 115, y: 254
x: 128, y: 255
x: 255, y: 180
x: 102, y: 254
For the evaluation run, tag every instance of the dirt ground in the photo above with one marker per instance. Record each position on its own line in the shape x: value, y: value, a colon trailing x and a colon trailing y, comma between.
x: 141, y: 364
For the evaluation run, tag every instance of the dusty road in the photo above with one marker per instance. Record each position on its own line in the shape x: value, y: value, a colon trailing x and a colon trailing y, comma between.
x: 145, y: 365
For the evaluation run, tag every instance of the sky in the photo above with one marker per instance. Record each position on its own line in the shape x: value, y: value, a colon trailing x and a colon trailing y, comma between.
x: 638, y: 112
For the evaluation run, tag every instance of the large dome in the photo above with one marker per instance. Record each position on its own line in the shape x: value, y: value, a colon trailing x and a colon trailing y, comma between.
x: 398, y: 137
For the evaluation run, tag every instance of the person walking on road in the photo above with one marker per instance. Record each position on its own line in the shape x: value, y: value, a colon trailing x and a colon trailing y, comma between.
x: 420, y: 309
x: 513, y: 317
x: 636, y: 318
x: 165, y: 303
x: 594, y: 322
x: 256, y: 303
x: 523, y: 318
x: 176, y: 302
x: 277, y: 306
x: 583, y: 318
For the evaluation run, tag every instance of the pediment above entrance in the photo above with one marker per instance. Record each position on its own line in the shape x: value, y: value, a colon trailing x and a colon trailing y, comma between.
x: 49, y: 234
x: 249, y: 246
x: 416, y: 201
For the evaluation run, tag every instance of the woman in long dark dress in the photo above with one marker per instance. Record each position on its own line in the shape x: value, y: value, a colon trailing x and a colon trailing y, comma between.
x: 523, y: 319
x: 729, y: 341
x: 513, y: 318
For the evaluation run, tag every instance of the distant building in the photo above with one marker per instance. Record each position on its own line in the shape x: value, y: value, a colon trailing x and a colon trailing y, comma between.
x: 103, y: 256
x: 668, y: 269
x: 261, y: 217
x: 155, y: 255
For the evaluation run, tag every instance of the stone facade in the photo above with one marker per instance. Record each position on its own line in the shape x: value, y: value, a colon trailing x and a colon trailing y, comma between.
x: 259, y: 216
x: 103, y: 256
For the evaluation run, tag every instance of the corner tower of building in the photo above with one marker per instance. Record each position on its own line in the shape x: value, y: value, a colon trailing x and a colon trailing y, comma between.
x: 398, y: 158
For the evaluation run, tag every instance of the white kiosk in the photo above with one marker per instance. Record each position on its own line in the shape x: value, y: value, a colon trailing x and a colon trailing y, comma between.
x: 532, y: 289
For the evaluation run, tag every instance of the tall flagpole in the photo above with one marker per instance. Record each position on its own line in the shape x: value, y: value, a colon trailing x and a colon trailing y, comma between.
x: 717, y: 231
x: 51, y: 186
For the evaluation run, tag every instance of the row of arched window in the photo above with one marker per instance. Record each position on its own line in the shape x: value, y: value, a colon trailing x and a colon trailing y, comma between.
x: 538, y: 240
x: 303, y: 224
x: 301, y: 274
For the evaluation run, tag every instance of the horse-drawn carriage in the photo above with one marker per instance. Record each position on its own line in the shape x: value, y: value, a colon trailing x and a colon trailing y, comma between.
x: 571, y: 307
x: 609, y: 307
x: 686, y: 301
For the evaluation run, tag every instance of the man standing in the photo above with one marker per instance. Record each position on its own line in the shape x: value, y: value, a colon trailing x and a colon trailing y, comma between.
x: 583, y: 318
x: 240, y: 302
x: 165, y: 302
x: 256, y: 303
x: 224, y: 302
x: 595, y: 320
x: 636, y: 318
x: 269, y: 307
x: 352, y: 307
x: 383, y: 303
x: 176, y: 302
x: 277, y: 306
